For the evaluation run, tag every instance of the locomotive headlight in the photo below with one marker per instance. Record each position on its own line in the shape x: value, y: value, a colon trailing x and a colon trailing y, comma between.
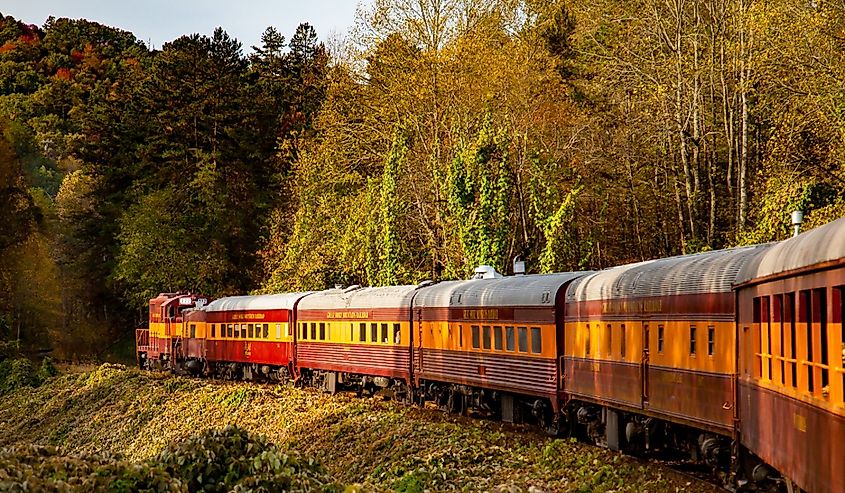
x: 797, y: 220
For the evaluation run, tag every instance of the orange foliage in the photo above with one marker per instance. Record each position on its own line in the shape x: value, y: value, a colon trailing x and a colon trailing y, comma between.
x: 29, y: 39
x: 9, y: 46
x: 63, y: 73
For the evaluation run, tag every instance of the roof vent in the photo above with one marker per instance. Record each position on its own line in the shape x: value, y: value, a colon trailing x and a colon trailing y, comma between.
x: 485, y: 272
x: 518, y: 266
x: 351, y: 288
x: 797, y: 221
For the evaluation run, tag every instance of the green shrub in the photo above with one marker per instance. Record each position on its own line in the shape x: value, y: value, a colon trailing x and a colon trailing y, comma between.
x: 47, y: 369
x: 17, y: 373
x: 233, y: 460
x: 34, y: 468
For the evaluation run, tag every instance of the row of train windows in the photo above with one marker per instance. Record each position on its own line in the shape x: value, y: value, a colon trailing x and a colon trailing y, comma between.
x: 377, y: 332
x: 661, y: 340
x: 779, y: 349
x: 245, y: 331
x: 495, y: 337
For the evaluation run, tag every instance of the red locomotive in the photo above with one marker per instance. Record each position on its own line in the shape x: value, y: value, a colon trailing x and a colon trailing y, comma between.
x: 736, y: 357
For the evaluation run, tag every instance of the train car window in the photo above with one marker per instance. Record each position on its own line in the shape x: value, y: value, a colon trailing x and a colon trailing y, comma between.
x: 461, y: 336
x: 660, y: 339
x: 243, y: 331
x: 820, y: 315
x: 193, y: 331
x: 303, y: 330
x: 624, y: 336
x: 711, y: 340
x: 230, y: 330
x: 523, y: 339
x: 251, y: 330
x: 497, y: 338
x: 510, y: 339
x: 839, y: 318
x: 587, y: 341
x: 692, y: 340
x: 267, y: 331
x: 397, y: 334
x: 476, y: 338
x: 212, y: 330
x: 789, y: 316
x: 805, y: 316
x: 384, y: 333
x: 322, y: 331
x: 373, y: 332
x: 485, y: 336
x: 609, y: 339
x: 313, y: 331
x: 767, y: 319
x: 237, y: 330
x: 362, y: 332
x: 536, y: 340
x: 279, y: 330
x: 777, y: 317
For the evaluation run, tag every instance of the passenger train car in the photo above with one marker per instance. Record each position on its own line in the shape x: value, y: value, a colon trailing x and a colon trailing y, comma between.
x: 654, y: 343
x: 791, y: 375
x: 735, y: 357
x: 493, y: 344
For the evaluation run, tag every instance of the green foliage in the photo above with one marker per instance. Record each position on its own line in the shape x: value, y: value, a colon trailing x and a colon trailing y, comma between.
x: 391, y: 209
x: 479, y: 191
x: 233, y: 460
x: 38, y: 468
x: 179, y: 426
x: 47, y: 370
x: 17, y: 373
x: 218, y: 460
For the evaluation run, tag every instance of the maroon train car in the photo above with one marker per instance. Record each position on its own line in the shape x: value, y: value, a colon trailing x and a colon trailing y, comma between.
x: 792, y: 358
x: 493, y: 344
x: 656, y: 339
x: 356, y: 338
x: 249, y: 337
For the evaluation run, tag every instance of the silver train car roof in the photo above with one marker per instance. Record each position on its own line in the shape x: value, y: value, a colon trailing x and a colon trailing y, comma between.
x: 527, y: 290
x: 356, y: 296
x: 281, y: 301
x: 810, y: 248
x: 708, y: 272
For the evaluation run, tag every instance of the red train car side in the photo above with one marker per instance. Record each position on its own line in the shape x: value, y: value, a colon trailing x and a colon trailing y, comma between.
x: 792, y: 358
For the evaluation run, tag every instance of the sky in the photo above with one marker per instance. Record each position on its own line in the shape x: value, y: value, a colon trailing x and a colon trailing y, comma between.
x: 156, y: 22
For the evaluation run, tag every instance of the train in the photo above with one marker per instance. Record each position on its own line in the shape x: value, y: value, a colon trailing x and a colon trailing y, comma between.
x: 734, y: 357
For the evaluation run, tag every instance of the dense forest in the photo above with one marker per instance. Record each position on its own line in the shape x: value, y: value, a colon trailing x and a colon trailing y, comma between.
x: 436, y: 136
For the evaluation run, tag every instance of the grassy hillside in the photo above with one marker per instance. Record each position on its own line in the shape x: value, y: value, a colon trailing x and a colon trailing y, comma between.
x: 383, y: 446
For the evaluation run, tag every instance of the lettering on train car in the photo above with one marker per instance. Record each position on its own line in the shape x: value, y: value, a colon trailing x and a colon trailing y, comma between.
x: 481, y: 314
x: 248, y: 316
x: 336, y: 315
x: 625, y: 306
